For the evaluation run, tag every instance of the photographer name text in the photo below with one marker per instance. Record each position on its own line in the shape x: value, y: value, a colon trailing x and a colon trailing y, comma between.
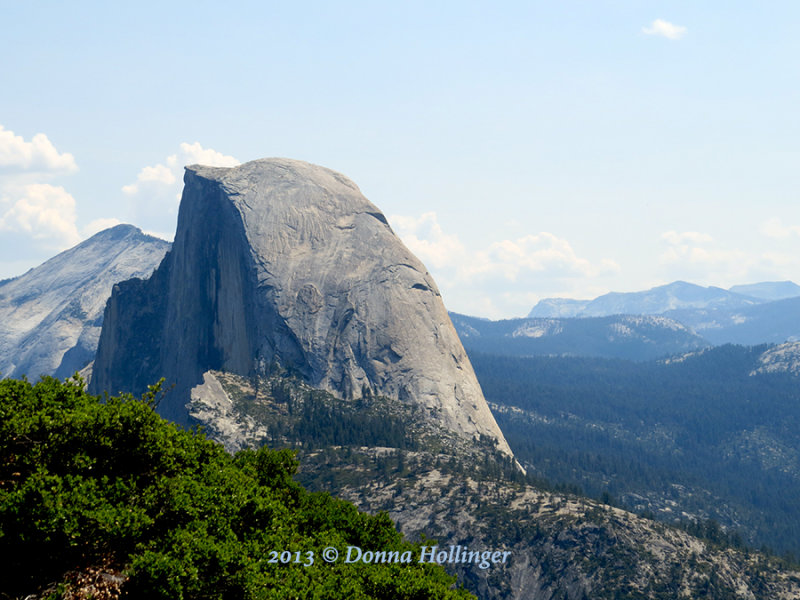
x: 452, y: 555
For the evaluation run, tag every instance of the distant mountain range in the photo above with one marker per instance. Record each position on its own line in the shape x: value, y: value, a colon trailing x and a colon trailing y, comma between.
x: 678, y: 295
x: 771, y: 322
x: 634, y: 337
x: 768, y: 290
x: 767, y: 312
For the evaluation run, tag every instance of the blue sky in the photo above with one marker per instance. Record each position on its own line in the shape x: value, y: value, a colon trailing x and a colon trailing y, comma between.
x: 521, y: 150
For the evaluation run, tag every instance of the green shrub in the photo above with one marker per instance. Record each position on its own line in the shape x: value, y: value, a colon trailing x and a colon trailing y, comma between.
x: 85, y: 482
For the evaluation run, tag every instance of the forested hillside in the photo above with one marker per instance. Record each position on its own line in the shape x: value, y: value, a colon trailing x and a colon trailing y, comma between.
x: 383, y: 454
x: 702, y: 436
x: 106, y: 500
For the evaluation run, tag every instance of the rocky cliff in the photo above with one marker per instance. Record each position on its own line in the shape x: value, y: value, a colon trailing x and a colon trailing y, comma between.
x: 50, y: 317
x: 282, y: 266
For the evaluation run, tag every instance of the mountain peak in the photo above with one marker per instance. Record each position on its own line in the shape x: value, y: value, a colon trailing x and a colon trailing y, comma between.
x: 120, y: 232
x: 50, y: 316
x: 278, y: 265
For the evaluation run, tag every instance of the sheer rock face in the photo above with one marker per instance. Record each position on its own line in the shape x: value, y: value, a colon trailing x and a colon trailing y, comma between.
x: 279, y: 264
x: 50, y: 317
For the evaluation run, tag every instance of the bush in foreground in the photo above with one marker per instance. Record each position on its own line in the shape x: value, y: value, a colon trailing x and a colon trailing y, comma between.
x: 86, y: 483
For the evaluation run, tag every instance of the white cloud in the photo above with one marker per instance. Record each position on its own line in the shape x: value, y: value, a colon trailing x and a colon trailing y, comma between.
x: 158, y: 175
x: 166, y: 174
x: 38, y: 155
x: 773, y: 228
x: 698, y: 257
x: 45, y: 212
x: 542, y: 253
x: 425, y: 238
x: 504, y: 278
x: 28, y: 207
x: 153, y: 196
x: 665, y: 29
x: 686, y: 237
x: 40, y: 217
x: 691, y: 248
x: 195, y: 154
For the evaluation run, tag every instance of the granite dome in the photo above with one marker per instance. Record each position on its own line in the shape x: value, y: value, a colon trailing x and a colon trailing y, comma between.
x: 281, y: 264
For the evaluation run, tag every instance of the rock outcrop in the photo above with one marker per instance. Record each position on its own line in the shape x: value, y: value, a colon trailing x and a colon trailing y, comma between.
x: 280, y: 265
x: 50, y: 317
x: 783, y: 358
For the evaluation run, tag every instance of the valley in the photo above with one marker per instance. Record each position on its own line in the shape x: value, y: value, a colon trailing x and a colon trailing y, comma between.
x: 611, y: 456
x: 562, y: 544
x: 708, y: 436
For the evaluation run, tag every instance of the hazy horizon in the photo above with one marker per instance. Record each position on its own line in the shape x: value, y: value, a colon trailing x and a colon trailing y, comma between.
x: 522, y: 152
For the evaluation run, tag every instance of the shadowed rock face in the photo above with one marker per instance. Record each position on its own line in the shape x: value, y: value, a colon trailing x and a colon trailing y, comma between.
x: 50, y: 317
x: 279, y: 264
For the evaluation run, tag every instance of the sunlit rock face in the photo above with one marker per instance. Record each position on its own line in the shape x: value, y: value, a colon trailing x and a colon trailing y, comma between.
x: 282, y: 265
x: 50, y: 317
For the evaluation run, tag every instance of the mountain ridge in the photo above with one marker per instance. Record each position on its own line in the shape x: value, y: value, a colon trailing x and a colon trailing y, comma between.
x: 766, y: 312
x: 658, y: 300
x: 50, y: 316
x: 635, y: 337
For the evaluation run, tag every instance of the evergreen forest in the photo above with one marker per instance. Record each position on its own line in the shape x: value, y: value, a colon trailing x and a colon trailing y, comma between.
x: 701, y: 438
